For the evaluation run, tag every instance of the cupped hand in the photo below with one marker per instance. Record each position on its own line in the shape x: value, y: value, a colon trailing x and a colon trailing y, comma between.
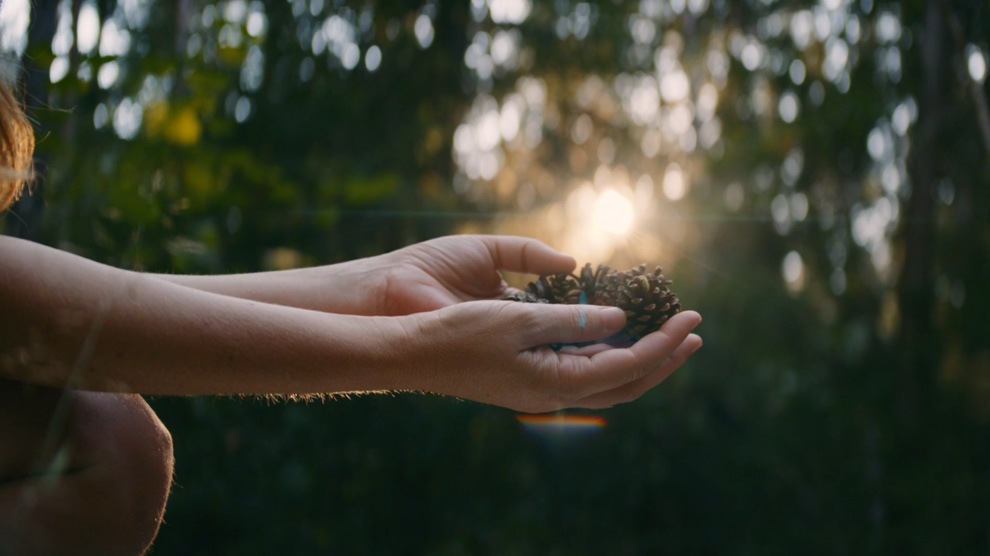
x: 448, y: 270
x: 497, y: 352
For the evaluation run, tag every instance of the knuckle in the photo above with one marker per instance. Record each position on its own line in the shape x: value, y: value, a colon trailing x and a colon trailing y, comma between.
x: 524, y: 255
x: 523, y: 312
x: 579, y: 317
x: 541, y: 328
x: 538, y: 322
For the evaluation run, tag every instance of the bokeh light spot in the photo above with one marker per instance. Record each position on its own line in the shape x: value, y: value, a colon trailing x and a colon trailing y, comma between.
x: 424, y: 30
x: 14, y: 18
x: 793, y: 271
x: 976, y: 62
x: 373, y: 58
x: 674, y: 183
x: 613, y: 213
x: 87, y: 28
x: 789, y: 107
x: 59, y: 69
x: 797, y: 71
x: 509, y: 11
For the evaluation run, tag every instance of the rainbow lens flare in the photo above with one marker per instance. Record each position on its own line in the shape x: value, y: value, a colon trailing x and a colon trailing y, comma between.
x: 562, y: 423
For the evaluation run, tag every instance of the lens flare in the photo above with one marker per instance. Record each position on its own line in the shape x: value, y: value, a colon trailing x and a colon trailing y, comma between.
x: 562, y: 423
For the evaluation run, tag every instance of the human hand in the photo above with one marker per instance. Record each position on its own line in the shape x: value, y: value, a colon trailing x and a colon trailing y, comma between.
x: 497, y: 352
x: 422, y: 277
x: 448, y: 270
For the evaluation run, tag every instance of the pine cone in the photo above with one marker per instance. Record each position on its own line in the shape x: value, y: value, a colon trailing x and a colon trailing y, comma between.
x: 645, y: 297
x: 558, y: 288
x: 525, y: 297
x: 593, y: 286
x: 647, y: 300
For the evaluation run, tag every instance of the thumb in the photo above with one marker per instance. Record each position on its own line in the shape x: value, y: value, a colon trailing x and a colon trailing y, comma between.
x: 564, y: 324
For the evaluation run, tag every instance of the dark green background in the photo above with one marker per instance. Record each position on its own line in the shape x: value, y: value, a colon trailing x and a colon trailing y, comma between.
x: 817, y: 418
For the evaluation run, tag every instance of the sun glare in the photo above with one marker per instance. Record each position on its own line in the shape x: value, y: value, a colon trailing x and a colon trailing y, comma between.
x: 613, y: 213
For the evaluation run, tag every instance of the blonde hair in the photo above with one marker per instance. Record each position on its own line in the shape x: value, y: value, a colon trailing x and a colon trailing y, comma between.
x: 16, y: 147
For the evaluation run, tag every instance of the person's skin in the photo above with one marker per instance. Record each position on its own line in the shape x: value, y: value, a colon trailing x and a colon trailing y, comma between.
x: 73, y: 321
x: 86, y: 468
x: 81, y: 473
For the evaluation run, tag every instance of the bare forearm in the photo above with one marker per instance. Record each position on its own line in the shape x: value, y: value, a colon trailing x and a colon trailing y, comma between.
x: 64, y: 319
x: 68, y: 321
x: 339, y: 288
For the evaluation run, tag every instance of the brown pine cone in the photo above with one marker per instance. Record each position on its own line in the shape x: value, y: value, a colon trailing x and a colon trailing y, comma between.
x: 557, y: 288
x: 645, y: 297
x: 647, y: 300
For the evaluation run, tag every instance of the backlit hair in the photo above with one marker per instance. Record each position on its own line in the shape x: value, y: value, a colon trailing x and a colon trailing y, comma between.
x: 16, y: 147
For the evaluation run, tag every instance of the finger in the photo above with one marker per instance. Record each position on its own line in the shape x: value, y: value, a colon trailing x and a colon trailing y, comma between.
x: 586, y: 350
x: 637, y: 388
x: 569, y: 324
x: 523, y: 254
x: 614, y: 368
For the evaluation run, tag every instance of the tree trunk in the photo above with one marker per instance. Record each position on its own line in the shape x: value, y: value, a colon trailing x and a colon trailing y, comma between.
x: 918, y: 342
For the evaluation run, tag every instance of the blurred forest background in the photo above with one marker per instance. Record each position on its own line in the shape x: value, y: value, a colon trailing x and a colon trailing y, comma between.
x: 813, y: 176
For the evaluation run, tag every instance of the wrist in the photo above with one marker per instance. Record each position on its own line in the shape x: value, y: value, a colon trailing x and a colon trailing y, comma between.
x: 344, y: 288
x: 412, y: 351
